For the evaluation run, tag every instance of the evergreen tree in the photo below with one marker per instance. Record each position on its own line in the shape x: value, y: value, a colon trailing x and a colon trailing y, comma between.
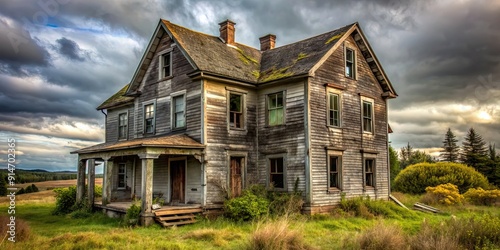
x: 406, y: 153
x: 394, y: 163
x: 410, y: 156
x: 474, y: 152
x: 3, y: 185
x: 451, y: 151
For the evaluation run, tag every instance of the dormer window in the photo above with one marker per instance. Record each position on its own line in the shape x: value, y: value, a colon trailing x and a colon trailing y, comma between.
x: 166, y: 65
x: 350, y: 67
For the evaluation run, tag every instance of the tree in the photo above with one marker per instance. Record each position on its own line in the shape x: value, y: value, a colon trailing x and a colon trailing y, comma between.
x: 410, y: 156
x: 394, y: 163
x: 3, y: 185
x: 474, y: 152
x: 451, y: 151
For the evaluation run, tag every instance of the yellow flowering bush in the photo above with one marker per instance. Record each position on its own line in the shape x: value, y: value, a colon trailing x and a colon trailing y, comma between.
x: 446, y: 194
x: 479, y: 196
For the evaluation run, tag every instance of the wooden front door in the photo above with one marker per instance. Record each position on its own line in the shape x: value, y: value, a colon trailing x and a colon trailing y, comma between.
x: 236, y: 176
x: 177, y: 180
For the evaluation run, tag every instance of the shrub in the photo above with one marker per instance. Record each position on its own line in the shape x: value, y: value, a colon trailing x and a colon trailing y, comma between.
x: 246, y: 207
x: 284, y: 203
x: 446, y: 194
x: 276, y: 235
x: 34, y: 188
x: 415, y: 178
x: 133, y: 214
x: 434, y: 238
x: 383, y: 237
x: 479, y: 196
x: 65, y: 200
x: 367, y: 208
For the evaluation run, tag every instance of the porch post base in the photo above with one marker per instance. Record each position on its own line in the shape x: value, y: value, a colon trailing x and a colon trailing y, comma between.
x: 147, y: 219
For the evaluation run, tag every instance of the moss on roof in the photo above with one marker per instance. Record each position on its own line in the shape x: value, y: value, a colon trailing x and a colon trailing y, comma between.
x: 117, y: 99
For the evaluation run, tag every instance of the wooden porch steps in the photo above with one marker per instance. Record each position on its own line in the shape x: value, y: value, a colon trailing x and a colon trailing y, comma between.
x: 176, y: 217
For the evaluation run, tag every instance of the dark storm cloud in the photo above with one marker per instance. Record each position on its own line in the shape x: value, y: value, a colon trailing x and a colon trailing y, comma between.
x: 70, y: 49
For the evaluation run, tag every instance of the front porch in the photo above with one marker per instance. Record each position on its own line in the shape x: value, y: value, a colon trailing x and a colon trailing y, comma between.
x: 168, y: 169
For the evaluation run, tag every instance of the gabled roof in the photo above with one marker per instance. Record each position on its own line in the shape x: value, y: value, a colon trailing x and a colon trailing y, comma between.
x: 117, y: 99
x: 209, y: 54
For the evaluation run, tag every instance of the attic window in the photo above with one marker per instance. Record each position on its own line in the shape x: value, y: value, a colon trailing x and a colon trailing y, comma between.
x: 350, y: 63
x: 166, y: 65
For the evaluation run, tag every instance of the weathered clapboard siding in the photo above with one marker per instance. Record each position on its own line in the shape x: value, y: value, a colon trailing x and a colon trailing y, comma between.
x: 112, y: 122
x: 222, y: 142
x: 160, y: 91
x: 349, y: 137
x: 161, y: 176
x: 288, y: 139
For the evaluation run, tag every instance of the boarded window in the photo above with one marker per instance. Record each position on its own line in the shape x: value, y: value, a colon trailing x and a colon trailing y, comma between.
x: 178, y: 112
x: 236, y: 119
x: 122, y: 177
x: 149, y: 116
x: 333, y: 110
x: 369, y: 172
x: 277, y: 174
x: 275, y: 109
x: 349, y: 63
x: 166, y: 65
x: 334, y: 172
x: 367, y: 117
x: 122, y: 125
x: 236, y: 170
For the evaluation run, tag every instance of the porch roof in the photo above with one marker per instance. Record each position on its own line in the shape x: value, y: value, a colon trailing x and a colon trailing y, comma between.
x: 169, y: 141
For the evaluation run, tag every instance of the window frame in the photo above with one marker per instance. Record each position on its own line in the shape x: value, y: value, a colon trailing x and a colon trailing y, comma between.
x: 161, y: 69
x: 120, y: 125
x: 144, y: 105
x: 173, y: 111
x: 338, y: 93
x: 373, y: 172
x: 372, y: 110
x: 124, y: 174
x: 283, y: 108
x: 338, y: 156
x: 269, y: 158
x: 243, y: 112
x: 352, y: 63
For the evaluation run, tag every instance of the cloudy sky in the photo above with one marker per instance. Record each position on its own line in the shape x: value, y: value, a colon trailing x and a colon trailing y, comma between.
x: 59, y: 59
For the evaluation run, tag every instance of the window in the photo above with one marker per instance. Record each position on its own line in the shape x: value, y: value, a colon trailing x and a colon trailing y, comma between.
x: 149, y: 118
x: 369, y: 172
x: 277, y: 174
x: 275, y: 109
x: 333, y: 109
x: 166, y: 65
x: 367, y: 116
x: 178, y: 112
x: 236, y: 118
x: 334, y: 172
x: 350, y: 59
x: 122, y: 126
x: 236, y: 175
x: 122, y: 177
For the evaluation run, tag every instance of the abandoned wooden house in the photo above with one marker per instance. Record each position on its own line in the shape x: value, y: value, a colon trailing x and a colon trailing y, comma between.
x: 204, y: 116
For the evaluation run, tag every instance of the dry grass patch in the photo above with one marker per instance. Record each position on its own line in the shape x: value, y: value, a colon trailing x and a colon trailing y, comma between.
x: 379, y: 237
x: 277, y: 235
x: 219, y: 238
x: 22, y: 230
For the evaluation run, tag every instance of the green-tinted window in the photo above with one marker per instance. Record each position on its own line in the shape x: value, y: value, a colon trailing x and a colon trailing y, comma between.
x: 275, y: 109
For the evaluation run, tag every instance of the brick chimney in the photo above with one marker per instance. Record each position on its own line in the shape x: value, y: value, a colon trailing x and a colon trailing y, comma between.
x: 227, y: 31
x: 267, y: 42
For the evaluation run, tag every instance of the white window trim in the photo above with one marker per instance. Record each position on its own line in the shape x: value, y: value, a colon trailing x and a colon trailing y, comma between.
x: 370, y: 100
x: 335, y: 153
x: 355, y: 61
x: 373, y: 157
x: 339, y: 93
x: 267, y: 107
x: 268, y: 165
x: 243, y: 107
x: 144, y: 104
x: 124, y: 176
x: 172, y: 110
x: 160, y: 64
x: 127, y: 125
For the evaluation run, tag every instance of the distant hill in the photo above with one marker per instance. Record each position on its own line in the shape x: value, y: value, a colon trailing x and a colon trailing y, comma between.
x: 38, y: 175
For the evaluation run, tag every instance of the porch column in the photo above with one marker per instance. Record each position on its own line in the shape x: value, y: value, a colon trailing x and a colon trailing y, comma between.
x: 147, y: 188
x: 80, y: 180
x: 106, y: 182
x: 91, y: 181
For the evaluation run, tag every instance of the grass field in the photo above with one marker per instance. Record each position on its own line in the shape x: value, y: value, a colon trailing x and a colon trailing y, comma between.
x: 48, y: 231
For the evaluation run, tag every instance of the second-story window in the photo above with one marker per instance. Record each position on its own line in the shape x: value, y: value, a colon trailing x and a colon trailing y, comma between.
x: 367, y: 116
x: 149, y: 118
x: 236, y: 118
x: 276, y: 109
x: 350, y: 67
x: 333, y: 109
x: 122, y: 126
x: 178, y: 112
x: 166, y: 65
